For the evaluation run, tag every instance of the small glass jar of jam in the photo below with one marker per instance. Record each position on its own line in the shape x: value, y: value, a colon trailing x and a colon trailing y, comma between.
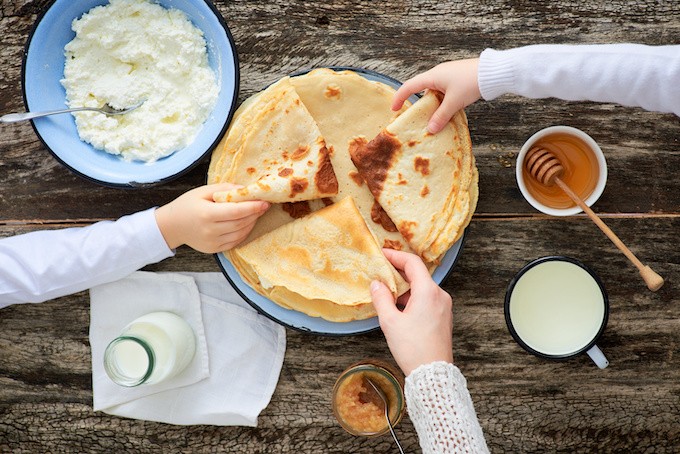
x: 358, y: 407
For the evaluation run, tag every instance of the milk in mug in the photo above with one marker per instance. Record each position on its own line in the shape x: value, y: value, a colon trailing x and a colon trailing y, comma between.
x: 557, y: 308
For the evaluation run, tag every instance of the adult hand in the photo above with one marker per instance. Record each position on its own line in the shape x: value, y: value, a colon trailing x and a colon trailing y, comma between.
x: 456, y: 79
x: 422, y: 332
x: 196, y: 220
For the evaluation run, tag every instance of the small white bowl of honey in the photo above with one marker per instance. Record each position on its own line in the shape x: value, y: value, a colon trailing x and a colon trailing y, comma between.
x: 585, y: 170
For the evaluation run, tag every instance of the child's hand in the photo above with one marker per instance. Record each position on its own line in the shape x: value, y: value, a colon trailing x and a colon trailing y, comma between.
x: 456, y: 79
x: 421, y: 333
x: 196, y: 220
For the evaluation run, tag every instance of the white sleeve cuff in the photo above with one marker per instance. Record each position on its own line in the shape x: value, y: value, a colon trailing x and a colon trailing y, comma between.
x: 496, y: 74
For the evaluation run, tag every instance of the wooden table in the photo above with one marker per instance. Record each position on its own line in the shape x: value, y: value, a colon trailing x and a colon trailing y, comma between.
x: 524, y: 404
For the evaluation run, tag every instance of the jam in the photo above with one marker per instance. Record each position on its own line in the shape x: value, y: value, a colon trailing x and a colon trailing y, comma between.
x: 358, y: 407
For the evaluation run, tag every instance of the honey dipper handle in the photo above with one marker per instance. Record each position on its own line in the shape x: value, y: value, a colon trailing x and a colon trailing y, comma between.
x: 651, y: 278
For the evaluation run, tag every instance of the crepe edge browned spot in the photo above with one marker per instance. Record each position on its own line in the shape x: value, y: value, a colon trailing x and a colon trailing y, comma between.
x: 373, y: 159
x: 325, y: 178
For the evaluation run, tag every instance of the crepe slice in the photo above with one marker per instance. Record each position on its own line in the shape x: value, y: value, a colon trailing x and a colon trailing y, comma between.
x: 346, y: 105
x: 421, y: 180
x: 321, y: 264
x: 223, y: 155
x: 280, y: 155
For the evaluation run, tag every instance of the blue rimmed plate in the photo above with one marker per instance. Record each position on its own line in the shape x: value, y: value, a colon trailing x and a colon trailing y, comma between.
x: 303, y: 322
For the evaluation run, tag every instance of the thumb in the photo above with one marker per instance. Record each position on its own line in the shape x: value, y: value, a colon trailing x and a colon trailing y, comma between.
x: 383, y: 301
x: 448, y: 108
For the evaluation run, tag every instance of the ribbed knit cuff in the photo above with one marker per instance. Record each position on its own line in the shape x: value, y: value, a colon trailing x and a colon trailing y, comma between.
x: 496, y: 73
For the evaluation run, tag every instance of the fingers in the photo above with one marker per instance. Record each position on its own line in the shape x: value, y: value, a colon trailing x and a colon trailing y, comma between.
x: 206, y: 191
x: 448, y: 108
x: 411, y: 86
x: 383, y: 301
x: 233, y: 239
x: 235, y: 225
x: 231, y: 211
x: 413, y: 267
x: 230, y: 239
x: 218, y: 187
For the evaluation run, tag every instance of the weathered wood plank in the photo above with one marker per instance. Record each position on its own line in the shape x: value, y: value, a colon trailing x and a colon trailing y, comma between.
x: 639, y: 182
x: 525, y: 404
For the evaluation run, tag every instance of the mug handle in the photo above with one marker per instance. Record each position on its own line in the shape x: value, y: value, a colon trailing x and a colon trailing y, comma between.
x: 598, y: 357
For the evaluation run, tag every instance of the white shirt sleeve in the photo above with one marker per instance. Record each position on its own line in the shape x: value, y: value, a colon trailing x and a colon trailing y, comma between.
x: 627, y: 74
x: 42, y: 265
x: 441, y: 409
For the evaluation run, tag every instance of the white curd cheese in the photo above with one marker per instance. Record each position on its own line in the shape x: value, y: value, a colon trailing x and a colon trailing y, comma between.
x: 133, y: 50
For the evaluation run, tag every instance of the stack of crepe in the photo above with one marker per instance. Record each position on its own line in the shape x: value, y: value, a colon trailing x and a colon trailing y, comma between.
x: 427, y: 184
x: 326, y: 257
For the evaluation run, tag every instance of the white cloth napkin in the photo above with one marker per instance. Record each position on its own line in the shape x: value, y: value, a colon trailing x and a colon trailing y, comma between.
x: 238, y: 357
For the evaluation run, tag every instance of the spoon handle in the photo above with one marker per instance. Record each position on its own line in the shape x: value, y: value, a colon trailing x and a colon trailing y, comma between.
x: 651, y: 278
x: 15, y: 117
x: 389, y: 424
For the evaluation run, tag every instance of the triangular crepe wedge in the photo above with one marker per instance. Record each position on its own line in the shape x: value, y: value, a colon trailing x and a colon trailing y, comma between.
x: 346, y: 105
x: 223, y: 155
x: 321, y: 264
x: 281, y: 157
x: 421, y: 180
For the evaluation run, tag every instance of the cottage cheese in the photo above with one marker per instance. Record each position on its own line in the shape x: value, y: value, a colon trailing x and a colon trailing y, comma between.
x: 131, y: 50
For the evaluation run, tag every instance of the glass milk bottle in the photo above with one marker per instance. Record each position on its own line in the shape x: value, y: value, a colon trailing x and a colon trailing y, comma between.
x: 151, y: 349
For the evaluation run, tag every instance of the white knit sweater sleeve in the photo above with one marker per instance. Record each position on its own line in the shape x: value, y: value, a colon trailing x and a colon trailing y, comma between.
x: 627, y: 74
x: 441, y: 410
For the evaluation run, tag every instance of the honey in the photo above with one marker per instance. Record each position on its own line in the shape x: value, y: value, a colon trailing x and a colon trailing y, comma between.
x: 581, y: 170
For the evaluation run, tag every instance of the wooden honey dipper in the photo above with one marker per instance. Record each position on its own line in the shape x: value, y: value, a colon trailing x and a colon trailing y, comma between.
x: 547, y: 169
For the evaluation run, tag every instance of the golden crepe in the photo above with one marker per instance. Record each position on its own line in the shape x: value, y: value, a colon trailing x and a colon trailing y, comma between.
x: 277, y: 152
x: 421, y: 180
x: 321, y: 264
x: 346, y: 107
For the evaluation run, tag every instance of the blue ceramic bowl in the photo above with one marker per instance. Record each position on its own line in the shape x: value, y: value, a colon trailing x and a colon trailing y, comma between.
x: 43, y: 68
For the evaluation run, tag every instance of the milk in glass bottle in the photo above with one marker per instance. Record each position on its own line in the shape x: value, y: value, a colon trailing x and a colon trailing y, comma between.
x: 151, y: 349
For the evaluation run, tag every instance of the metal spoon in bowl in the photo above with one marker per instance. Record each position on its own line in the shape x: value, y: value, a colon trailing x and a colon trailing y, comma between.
x: 382, y: 396
x: 106, y: 109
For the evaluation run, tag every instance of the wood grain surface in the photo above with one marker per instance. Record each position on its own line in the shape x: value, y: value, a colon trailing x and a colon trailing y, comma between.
x: 523, y: 403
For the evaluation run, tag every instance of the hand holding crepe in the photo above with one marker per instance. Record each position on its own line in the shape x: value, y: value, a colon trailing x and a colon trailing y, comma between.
x: 426, y: 183
x: 276, y: 152
x: 321, y: 265
x: 344, y: 105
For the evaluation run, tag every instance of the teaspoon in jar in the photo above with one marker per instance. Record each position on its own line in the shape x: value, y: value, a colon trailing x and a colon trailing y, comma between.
x: 382, y: 396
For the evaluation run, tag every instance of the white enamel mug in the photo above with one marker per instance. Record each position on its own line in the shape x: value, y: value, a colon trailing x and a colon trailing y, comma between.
x: 557, y: 308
